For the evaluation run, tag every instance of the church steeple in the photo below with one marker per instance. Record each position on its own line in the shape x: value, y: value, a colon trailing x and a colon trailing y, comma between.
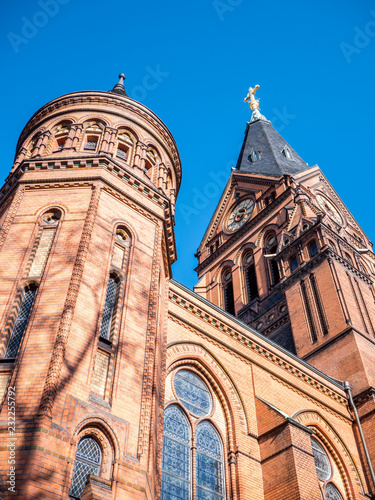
x: 264, y: 151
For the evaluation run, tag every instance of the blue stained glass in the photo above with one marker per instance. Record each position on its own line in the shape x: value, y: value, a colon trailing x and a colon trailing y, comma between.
x: 193, y: 393
x: 176, y: 475
x: 210, y: 470
x: 332, y: 493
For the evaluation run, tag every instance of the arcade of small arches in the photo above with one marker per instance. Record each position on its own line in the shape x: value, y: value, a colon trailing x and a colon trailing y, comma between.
x: 94, y: 136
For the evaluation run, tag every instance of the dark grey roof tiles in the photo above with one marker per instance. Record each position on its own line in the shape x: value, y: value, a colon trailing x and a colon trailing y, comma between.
x: 262, y: 152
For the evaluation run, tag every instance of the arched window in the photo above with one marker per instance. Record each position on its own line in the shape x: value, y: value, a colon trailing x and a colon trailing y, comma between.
x: 109, y: 307
x: 178, y: 454
x: 250, y: 276
x: 21, y: 321
x: 228, y: 292
x: 270, y: 248
x: 210, y: 466
x: 332, y: 493
x: 313, y: 249
x: 322, y: 462
x: 88, y: 460
x: 61, y: 134
x: 176, y: 475
x: 293, y: 263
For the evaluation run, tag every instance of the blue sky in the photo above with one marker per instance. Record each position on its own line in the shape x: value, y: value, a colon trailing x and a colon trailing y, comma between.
x: 314, y: 62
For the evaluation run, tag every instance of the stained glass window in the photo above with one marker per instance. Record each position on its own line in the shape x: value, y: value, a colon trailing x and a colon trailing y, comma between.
x: 332, y: 493
x: 176, y: 476
x: 193, y: 393
x: 20, y: 323
x: 109, y: 306
x: 210, y: 470
x: 322, y: 463
x: 88, y: 459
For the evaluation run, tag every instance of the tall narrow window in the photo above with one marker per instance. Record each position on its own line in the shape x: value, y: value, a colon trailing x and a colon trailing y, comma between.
x: 319, y: 304
x: 210, y: 467
x: 176, y: 475
x: 270, y: 248
x: 88, y: 460
x: 21, y: 322
x: 313, y: 249
x: 309, y: 313
x: 109, y: 307
x: 251, y: 277
x: 228, y: 292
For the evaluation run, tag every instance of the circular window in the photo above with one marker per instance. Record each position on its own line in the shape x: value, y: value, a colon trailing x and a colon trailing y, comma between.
x: 332, y: 493
x: 322, y: 463
x: 193, y: 393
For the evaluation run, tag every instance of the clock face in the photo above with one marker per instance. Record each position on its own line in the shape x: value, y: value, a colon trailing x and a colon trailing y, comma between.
x: 240, y: 214
x: 329, y: 208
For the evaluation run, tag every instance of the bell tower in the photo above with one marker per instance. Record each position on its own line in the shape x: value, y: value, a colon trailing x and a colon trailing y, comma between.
x: 284, y: 254
x: 86, y: 247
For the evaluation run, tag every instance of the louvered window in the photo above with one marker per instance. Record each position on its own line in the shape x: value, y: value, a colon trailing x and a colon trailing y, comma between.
x: 228, y: 292
x: 20, y: 323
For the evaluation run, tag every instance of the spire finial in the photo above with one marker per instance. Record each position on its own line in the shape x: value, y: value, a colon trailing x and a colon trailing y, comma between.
x: 119, y: 88
x: 254, y: 104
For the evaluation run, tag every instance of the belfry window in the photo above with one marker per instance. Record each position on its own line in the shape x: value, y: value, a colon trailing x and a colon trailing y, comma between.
x: 109, y: 308
x: 88, y: 460
x: 313, y: 249
x: 228, y: 292
x: 293, y: 263
x: 21, y: 322
x: 250, y: 277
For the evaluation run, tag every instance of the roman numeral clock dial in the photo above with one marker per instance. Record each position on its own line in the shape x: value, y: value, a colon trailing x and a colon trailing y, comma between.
x: 240, y: 214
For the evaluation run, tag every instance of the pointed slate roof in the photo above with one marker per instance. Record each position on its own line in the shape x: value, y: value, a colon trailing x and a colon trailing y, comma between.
x: 262, y: 152
x: 119, y: 88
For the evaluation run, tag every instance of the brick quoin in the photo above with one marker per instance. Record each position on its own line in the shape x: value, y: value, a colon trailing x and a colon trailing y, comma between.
x: 87, y: 230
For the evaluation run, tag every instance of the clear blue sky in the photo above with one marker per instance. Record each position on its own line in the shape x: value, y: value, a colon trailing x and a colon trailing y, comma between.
x: 314, y: 62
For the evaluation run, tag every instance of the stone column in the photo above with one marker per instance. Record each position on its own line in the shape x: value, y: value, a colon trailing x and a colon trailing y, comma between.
x: 112, y: 140
x: 69, y: 139
x: 45, y: 139
x: 77, y: 131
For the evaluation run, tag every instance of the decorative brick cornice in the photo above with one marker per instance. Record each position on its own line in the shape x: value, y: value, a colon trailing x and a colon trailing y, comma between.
x: 246, y: 342
x: 147, y: 190
x: 55, y: 108
x: 58, y: 353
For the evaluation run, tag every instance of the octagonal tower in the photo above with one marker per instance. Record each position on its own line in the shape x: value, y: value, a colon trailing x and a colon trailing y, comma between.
x: 86, y: 247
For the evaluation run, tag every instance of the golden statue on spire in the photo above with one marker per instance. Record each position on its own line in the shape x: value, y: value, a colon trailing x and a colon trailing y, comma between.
x: 254, y: 104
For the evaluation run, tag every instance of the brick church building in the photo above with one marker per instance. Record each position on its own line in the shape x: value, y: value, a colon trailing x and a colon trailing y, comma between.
x: 118, y: 382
